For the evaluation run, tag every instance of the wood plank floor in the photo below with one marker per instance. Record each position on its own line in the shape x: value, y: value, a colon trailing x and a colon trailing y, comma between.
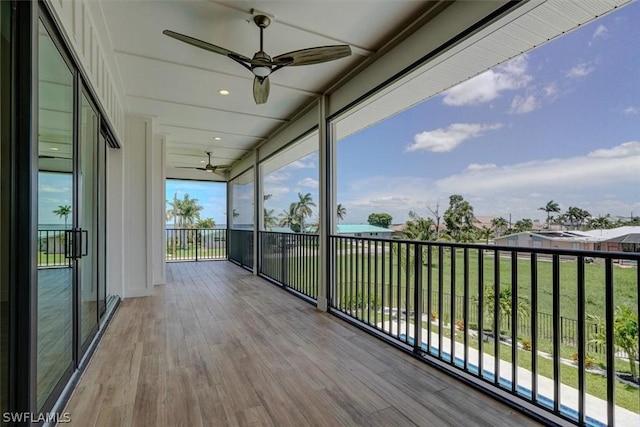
x: 218, y: 346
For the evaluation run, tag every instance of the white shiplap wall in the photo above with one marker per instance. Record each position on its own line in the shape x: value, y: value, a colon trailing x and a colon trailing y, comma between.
x: 81, y: 32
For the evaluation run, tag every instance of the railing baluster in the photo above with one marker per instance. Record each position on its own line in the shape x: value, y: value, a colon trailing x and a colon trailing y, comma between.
x: 440, y: 296
x: 581, y: 340
x: 534, y: 327
x: 610, y: 349
x: 496, y: 317
x: 452, y: 305
x: 465, y: 308
x: 417, y: 300
x: 514, y: 321
x: 556, y: 336
x: 481, y: 312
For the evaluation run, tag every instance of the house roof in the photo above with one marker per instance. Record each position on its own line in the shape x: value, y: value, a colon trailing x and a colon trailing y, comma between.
x: 627, y: 238
x: 612, y: 233
x: 361, y: 228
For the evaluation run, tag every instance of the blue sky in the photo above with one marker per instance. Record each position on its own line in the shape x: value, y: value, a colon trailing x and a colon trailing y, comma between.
x: 561, y: 122
x: 212, y: 196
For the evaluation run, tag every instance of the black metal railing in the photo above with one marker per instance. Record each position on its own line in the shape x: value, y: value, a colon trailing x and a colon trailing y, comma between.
x: 52, y: 248
x: 196, y: 244
x: 241, y: 247
x: 469, y: 306
x: 290, y: 259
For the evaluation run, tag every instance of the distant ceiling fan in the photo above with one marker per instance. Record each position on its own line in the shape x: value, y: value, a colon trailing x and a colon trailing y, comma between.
x: 262, y: 65
x: 209, y: 167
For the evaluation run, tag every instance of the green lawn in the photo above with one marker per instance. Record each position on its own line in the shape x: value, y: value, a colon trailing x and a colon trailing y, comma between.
x: 360, y: 270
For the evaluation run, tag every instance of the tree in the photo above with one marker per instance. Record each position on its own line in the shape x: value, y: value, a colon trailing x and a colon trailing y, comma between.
x: 436, y: 214
x: 268, y: 219
x: 419, y: 228
x: 500, y: 225
x: 341, y: 211
x: 560, y: 219
x: 550, y: 207
x: 524, y: 224
x: 380, y: 219
x: 63, y: 211
x: 460, y: 219
x: 290, y: 219
x: 577, y: 216
x: 505, y: 306
x: 206, y: 223
x: 189, y: 211
x: 599, y: 222
x: 486, y: 233
x: 303, y: 208
x: 625, y: 334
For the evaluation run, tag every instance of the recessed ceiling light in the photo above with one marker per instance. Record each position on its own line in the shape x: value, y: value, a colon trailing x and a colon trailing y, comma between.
x: 223, y: 92
x: 201, y: 161
x: 217, y: 138
x: 53, y: 149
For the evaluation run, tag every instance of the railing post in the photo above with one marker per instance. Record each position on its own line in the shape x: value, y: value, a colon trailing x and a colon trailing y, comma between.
x: 417, y: 299
x: 196, y: 243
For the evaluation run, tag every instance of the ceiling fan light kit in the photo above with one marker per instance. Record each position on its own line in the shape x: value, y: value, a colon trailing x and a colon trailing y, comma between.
x: 262, y: 65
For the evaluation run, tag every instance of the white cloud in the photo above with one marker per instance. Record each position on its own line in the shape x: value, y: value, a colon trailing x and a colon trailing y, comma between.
x: 550, y: 90
x: 601, y: 31
x: 276, y: 177
x: 446, y: 139
x: 599, y: 168
x: 299, y: 164
x: 524, y: 104
x: 627, y: 149
x: 581, y: 70
x: 630, y: 111
x: 489, y: 85
x: 480, y: 167
x: 308, y: 182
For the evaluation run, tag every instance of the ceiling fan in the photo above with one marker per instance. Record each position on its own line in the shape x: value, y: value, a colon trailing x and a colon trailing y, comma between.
x: 209, y: 167
x: 262, y: 65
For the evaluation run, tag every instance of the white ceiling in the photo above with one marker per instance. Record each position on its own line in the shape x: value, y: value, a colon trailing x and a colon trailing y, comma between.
x: 179, y: 83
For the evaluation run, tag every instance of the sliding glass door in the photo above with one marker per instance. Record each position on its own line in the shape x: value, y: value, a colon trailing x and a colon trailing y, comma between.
x: 56, y: 209
x: 71, y: 219
x: 87, y: 219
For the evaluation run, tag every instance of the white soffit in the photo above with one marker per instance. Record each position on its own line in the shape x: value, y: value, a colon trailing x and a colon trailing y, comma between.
x: 527, y: 27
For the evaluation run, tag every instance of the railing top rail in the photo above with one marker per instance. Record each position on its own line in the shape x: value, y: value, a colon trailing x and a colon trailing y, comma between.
x: 288, y: 233
x: 520, y: 249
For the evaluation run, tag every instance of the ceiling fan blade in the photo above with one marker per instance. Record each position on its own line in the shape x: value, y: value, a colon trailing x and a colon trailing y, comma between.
x: 261, y: 89
x: 188, y: 167
x: 313, y: 55
x: 206, y: 46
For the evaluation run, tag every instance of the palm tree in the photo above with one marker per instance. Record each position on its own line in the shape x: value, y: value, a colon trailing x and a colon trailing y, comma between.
x: 63, y: 211
x: 599, y: 222
x: 551, y: 206
x: 577, y: 216
x: 268, y: 219
x: 303, y: 208
x: 341, y: 212
x: 499, y: 225
x: 290, y: 218
x: 419, y: 228
x: 485, y: 233
x: 524, y: 224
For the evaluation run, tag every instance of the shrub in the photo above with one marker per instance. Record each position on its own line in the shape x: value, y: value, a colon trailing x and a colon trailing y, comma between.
x: 526, y: 344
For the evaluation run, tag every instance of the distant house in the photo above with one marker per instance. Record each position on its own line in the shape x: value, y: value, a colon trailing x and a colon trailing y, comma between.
x: 621, y: 239
x: 625, y: 239
x: 548, y: 240
x: 364, y: 230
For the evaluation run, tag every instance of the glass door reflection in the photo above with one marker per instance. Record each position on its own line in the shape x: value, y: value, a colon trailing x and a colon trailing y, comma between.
x: 55, y: 218
x: 87, y: 220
